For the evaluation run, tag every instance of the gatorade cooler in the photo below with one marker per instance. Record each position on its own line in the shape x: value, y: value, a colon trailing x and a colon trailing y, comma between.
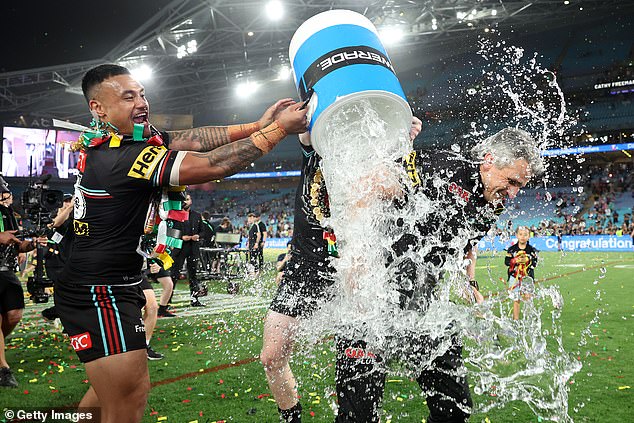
x: 337, y: 58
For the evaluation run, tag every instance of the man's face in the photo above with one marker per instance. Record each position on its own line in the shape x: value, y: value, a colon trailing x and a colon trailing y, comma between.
x: 187, y: 203
x: 121, y: 101
x: 503, y: 182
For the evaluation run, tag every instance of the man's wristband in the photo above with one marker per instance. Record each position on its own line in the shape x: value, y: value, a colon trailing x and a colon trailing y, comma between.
x: 238, y: 132
x: 268, y: 137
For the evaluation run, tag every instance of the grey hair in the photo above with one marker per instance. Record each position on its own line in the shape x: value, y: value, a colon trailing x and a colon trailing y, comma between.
x: 509, y: 145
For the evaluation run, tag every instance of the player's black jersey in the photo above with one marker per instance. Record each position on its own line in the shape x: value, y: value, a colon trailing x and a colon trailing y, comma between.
x: 458, y: 211
x: 311, y: 206
x: 112, y: 195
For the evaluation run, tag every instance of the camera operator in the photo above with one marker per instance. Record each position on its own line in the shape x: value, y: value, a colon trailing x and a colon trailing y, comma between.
x: 60, y: 242
x: 11, y: 293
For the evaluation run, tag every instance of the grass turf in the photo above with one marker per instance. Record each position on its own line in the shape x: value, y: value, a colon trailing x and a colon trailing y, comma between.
x: 211, y: 373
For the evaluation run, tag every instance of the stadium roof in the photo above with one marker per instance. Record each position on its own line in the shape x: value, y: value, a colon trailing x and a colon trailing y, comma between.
x: 199, y: 50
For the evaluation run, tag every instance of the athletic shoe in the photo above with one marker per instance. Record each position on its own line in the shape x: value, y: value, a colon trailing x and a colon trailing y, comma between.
x: 153, y: 355
x: 165, y: 313
x: 7, y: 379
x: 50, y: 313
x: 195, y: 302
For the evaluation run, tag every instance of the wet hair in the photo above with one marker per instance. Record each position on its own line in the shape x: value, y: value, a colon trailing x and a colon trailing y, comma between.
x: 97, y: 75
x: 509, y: 145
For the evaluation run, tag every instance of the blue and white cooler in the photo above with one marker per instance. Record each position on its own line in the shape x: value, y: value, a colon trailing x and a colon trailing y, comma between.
x: 338, y: 58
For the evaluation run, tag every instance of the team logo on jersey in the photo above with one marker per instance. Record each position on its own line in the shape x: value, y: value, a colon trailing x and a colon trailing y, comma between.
x: 459, y: 192
x: 410, y: 162
x: 81, y: 342
x: 147, y: 161
x: 80, y: 228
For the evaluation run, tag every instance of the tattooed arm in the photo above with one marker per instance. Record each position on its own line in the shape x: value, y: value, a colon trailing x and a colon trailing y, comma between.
x: 225, y: 160
x: 205, y: 138
x: 208, y: 138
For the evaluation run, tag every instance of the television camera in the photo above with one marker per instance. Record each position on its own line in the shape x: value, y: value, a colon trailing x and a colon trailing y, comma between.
x: 39, y: 203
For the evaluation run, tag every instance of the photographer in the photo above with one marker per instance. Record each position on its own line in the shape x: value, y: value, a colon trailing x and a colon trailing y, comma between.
x: 11, y: 293
x: 60, y: 242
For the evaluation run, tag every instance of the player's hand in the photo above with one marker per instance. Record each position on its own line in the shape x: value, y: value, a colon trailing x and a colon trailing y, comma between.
x: 273, y: 112
x: 293, y: 120
x: 8, y: 237
x: 196, y: 237
x: 417, y: 126
x: 155, y: 268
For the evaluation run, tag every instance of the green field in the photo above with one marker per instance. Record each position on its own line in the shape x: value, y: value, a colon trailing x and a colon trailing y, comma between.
x: 211, y: 372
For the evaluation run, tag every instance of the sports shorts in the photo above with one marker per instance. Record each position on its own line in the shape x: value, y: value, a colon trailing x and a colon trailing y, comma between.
x: 145, y: 284
x: 101, y: 320
x: 304, y: 286
x: 11, y: 293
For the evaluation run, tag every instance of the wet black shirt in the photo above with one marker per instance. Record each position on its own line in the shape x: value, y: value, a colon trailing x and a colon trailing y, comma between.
x: 311, y: 206
x: 458, y: 217
x: 112, y: 196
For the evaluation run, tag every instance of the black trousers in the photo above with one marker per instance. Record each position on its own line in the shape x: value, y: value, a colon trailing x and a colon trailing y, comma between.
x: 191, y: 253
x: 360, y: 380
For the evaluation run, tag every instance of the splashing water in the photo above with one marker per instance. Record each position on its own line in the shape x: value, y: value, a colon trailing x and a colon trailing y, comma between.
x: 510, y: 360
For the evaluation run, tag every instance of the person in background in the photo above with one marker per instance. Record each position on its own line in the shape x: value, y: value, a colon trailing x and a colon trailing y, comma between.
x: 281, y: 262
x: 521, y: 259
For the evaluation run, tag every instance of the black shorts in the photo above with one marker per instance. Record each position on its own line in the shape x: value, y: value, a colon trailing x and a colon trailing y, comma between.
x: 160, y: 274
x: 101, y: 320
x: 303, y: 287
x: 145, y: 284
x: 11, y: 293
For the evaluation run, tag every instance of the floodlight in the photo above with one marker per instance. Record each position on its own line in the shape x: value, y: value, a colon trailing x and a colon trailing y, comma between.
x: 391, y: 36
x: 274, y: 10
x: 142, y: 73
x: 246, y: 88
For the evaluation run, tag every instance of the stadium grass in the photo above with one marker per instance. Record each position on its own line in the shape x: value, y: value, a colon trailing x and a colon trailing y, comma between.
x: 211, y: 372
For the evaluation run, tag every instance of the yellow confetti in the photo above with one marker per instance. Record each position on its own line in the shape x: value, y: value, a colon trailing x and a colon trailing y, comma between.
x: 312, y: 394
x: 40, y: 360
x: 33, y: 380
x: 486, y: 420
x: 394, y: 381
x: 194, y: 421
x: 60, y: 369
x: 161, y: 418
x: 20, y: 370
x: 235, y: 394
x: 248, y: 390
x: 317, y: 376
x: 201, y: 370
x: 51, y: 387
x: 399, y: 399
x: 623, y: 387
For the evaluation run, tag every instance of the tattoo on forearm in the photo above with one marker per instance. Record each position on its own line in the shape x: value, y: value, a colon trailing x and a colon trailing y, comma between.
x: 231, y: 158
x: 206, y: 138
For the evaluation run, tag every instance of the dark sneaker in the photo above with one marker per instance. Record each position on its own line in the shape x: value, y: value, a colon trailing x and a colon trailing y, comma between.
x: 50, y: 313
x: 7, y: 379
x: 195, y: 302
x: 153, y: 355
x: 165, y: 313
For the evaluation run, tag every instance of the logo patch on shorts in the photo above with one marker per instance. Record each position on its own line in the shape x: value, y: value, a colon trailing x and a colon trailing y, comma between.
x: 147, y: 161
x: 81, y: 342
